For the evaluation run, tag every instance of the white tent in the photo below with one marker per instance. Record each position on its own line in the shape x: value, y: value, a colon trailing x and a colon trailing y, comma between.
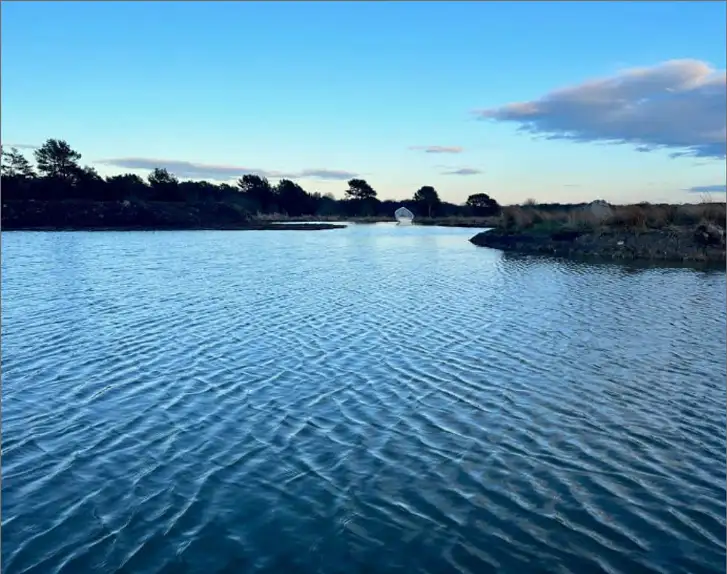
x: 403, y: 215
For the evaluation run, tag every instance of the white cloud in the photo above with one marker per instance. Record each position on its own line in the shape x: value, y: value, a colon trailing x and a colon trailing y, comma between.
x: 680, y: 105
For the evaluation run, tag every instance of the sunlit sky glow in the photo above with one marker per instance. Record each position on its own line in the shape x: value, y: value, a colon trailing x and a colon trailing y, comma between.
x: 567, y: 101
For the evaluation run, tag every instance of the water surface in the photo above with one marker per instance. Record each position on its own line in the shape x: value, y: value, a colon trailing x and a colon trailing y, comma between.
x: 373, y: 399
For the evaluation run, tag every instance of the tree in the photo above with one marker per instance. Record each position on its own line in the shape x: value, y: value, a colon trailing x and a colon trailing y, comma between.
x: 250, y: 182
x: 360, y: 189
x: 17, y: 175
x: 293, y: 199
x: 258, y: 190
x: 160, y: 177
x: 16, y: 165
x: 57, y: 160
x: 164, y: 185
x: 428, y: 197
x: 127, y: 186
x: 324, y: 204
x: 225, y: 190
x: 193, y: 191
x: 483, y: 205
x: 89, y: 184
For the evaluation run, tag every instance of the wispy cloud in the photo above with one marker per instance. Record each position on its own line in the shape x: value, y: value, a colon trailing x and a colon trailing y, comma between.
x: 20, y: 146
x: 680, y: 105
x: 437, y: 148
x: 462, y: 171
x: 193, y: 170
x: 333, y: 174
x: 716, y: 188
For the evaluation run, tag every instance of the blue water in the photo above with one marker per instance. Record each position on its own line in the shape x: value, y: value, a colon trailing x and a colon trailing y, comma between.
x: 376, y: 399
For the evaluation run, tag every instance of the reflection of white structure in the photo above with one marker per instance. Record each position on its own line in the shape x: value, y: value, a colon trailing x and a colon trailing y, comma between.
x: 403, y: 215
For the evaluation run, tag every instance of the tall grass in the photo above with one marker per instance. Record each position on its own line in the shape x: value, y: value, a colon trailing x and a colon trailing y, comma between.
x: 642, y: 216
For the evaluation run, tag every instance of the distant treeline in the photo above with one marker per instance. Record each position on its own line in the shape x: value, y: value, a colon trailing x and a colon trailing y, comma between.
x: 58, y: 175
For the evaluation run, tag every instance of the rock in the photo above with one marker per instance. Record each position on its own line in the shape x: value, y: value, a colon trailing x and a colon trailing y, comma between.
x: 709, y: 235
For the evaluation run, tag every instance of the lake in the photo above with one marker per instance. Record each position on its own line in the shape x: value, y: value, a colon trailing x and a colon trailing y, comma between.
x: 375, y: 399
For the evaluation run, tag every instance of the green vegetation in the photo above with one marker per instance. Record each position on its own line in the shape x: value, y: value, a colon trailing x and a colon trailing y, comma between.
x: 688, y: 232
x: 59, y: 192
x: 639, y: 217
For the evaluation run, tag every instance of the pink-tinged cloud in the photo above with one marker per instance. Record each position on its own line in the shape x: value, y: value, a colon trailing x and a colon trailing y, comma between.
x: 679, y: 105
x: 437, y: 149
x: 193, y: 170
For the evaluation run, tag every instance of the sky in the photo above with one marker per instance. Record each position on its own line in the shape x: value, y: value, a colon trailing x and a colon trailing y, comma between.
x: 552, y: 101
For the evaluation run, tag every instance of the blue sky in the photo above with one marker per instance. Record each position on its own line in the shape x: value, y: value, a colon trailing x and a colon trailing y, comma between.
x: 401, y: 94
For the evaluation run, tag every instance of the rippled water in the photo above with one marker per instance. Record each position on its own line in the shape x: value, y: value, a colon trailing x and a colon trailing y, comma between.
x: 375, y: 399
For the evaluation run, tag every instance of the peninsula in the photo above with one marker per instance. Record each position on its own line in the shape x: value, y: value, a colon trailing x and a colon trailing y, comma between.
x: 658, y: 232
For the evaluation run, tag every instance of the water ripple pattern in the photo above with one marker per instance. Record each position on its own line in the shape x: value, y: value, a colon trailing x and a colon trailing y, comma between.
x: 370, y: 400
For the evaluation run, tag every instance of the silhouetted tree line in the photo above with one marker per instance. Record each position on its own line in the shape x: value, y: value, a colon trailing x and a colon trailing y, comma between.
x: 58, y: 175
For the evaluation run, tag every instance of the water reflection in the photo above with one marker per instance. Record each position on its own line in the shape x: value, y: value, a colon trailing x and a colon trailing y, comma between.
x: 378, y: 398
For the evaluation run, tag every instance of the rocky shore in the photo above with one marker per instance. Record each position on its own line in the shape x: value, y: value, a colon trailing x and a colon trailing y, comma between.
x: 79, y: 215
x: 703, y: 243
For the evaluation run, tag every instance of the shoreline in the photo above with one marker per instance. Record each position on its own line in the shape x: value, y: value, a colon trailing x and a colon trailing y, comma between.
x: 84, y: 215
x: 451, y: 221
x: 137, y: 215
x: 685, y: 244
x: 118, y: 228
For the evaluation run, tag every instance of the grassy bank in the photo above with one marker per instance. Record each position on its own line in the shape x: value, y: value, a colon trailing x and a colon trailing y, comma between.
x: 692, y: 232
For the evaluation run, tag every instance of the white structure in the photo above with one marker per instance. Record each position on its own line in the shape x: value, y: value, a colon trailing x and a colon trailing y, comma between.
x: 599, y: 209
x: 403, y: 216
